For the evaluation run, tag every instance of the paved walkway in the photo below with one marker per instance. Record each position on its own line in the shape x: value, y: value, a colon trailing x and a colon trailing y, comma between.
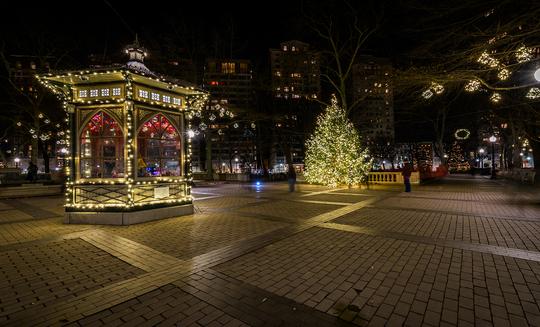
x: 463, y: 251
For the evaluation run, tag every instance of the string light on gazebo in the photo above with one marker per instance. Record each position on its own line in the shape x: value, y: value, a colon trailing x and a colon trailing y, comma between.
x: 116, y: 168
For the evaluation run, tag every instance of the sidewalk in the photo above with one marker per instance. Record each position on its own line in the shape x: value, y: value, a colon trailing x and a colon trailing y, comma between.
x: 461, y: 251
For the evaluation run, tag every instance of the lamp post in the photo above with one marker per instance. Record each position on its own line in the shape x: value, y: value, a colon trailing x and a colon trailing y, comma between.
x: 481, y: 151
x: 492, y: 139
x: 537, y: 74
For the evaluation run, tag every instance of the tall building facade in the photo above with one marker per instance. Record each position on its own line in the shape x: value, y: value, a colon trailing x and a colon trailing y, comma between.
x: 295, y: 71
x: 227, y: 143
x: 373, y: 88
x: 229, y: 80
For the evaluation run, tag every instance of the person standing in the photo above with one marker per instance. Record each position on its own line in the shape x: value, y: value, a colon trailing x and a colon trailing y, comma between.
x: 32, y: 172
x: 291, y: 177
x: 406, y: 173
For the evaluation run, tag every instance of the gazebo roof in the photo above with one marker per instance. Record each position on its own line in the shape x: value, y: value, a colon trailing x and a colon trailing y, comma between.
x: 134, y: 69
x: 119, y: 73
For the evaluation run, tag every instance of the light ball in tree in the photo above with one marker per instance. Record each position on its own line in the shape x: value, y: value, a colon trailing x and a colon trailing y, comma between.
x: 537, y: 74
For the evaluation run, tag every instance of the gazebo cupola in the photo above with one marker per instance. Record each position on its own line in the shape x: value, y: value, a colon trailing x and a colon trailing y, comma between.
x: 129, y: 146
x: 136, y: 55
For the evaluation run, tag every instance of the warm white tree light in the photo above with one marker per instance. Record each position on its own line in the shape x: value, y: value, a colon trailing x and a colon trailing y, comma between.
x: 334, y: 154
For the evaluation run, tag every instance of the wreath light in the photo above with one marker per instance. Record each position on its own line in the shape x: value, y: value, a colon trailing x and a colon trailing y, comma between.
x: 462, y: 134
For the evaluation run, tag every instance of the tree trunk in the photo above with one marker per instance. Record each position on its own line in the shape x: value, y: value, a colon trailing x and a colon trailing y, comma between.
x: 34, y: 153
x: 45, y: 153
x: 209, y: 171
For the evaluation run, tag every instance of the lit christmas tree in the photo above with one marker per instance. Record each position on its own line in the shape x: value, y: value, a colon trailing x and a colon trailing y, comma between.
x: 456, y: 159
x: 334, y: 155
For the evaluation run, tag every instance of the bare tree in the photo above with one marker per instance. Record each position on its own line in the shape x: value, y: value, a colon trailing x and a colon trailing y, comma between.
x: 344, y: 38
x: 485, y: 48
x: 28, y: 108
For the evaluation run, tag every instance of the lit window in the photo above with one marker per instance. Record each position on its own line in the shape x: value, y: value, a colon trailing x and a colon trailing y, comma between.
x: 102, y: 148
x: 293, y: 48
x: 83, y: 94
x: 228, y: 67
x: 177, y: 101
x: 155, y: 96
x: 167, y: 99
x: 284, y: 48
x: 104, y: 92
x: 243, y: 68
x: 159, y: 148
x: 143, y: 94
x: 116, y: 91
x: 93, y: 93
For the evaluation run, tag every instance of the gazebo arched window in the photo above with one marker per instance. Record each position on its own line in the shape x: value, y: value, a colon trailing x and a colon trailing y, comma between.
x: 159, y: 148
x: 102, y: 148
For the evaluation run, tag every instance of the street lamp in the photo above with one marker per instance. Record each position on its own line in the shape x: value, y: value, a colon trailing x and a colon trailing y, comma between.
x: 482, y: 158
x: 492, y: 139
x: 17, y: 160
x: 537, y: 74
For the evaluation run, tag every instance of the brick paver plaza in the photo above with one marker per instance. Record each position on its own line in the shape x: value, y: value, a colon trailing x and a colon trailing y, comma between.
x: 463, y: 251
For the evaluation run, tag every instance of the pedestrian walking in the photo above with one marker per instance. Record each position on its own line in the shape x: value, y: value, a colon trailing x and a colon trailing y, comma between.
x: 406, y: 173
x: 291, y: 177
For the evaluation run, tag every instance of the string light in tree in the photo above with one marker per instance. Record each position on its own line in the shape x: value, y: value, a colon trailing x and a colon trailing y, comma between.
x: 488, y: 60
x: 524, y: 54
x: 334, y: 154
x: 437, y: 88
x: 472, y: 86
x: 503, y: 74
x: 534, y: 93
x: 427, y: 94
x: 495, y: 97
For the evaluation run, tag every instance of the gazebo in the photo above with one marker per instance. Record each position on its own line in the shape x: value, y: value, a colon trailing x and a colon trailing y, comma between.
x: 128, y: 143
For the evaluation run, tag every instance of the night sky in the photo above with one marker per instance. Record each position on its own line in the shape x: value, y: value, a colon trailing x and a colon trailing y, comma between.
x: 106, y: 26
x: 220, y: 29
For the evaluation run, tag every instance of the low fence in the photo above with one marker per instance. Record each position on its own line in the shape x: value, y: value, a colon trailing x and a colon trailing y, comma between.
x: 391, y: 177
x: 375, y: 177
x: 14, y: 176
x: 525, y: 176
x: 222, y: 177
x: 28, y: 190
